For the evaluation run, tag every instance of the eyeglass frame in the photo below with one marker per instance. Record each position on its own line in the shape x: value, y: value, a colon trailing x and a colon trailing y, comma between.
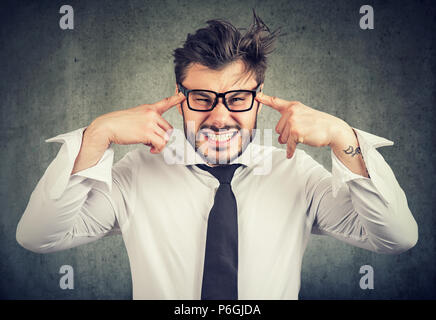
x: 217, y: 96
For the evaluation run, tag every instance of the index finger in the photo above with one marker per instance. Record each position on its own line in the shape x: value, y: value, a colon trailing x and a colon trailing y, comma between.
x: 273, y: 102
x: 169, y: 102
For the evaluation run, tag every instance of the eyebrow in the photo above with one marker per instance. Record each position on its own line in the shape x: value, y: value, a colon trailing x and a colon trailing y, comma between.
x: 235, y: 93
x: 243, y: 89
x: 203, y: 94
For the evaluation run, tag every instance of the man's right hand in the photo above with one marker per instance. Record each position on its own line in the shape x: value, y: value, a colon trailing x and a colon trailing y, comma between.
x: 141, y: 124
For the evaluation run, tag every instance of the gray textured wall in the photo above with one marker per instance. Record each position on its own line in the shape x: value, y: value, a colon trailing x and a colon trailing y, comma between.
x: 119, y: 56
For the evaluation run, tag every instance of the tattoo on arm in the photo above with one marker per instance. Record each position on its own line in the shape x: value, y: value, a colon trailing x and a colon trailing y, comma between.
x: 352, y: 151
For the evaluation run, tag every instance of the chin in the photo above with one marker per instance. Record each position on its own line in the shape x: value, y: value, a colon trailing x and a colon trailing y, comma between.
x: 218, y: 156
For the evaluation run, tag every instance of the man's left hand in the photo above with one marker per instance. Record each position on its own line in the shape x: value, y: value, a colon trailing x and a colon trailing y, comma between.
x: 302, y: 124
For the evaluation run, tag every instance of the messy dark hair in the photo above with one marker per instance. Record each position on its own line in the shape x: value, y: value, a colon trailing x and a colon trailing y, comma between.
x: 220, y: 44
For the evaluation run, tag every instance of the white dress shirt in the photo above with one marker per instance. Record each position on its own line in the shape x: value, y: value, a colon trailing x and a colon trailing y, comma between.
x: 160, y: 204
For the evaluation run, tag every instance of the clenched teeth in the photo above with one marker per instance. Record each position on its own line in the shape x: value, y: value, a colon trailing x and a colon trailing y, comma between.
x: 220, y: 137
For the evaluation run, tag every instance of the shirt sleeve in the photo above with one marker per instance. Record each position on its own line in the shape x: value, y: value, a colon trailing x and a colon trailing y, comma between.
x: 371, y: 213
x: 59, y: 171
x: 67, y: 210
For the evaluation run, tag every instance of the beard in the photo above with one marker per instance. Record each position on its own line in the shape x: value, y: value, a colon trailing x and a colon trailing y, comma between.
x: 218, y: 153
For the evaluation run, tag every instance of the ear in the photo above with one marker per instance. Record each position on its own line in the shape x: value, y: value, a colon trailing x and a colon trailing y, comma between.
x: 179, y: 106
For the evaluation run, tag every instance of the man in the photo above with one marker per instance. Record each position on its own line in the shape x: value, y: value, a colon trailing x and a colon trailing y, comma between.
x: 201, y: 220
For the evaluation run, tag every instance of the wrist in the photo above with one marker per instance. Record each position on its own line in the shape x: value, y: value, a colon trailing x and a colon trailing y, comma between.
x: 97, y: 136
x: 342, y: 136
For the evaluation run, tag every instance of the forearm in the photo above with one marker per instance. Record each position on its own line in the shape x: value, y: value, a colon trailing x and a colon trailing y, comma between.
x: 95, y: 142
x: 346, y: 148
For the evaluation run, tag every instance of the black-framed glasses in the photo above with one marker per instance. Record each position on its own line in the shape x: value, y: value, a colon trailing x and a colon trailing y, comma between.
x: 206, y: 100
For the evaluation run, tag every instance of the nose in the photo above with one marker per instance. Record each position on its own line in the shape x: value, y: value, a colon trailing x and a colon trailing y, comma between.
x: 219, y: 115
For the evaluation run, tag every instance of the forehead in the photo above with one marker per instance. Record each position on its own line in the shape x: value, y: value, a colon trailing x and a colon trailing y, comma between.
x: 231, y: 77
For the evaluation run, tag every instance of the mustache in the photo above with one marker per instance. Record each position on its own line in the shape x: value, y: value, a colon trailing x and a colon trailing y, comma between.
x: 216, y: 129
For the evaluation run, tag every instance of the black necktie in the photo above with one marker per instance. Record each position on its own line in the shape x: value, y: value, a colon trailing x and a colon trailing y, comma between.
x: 220, y: 275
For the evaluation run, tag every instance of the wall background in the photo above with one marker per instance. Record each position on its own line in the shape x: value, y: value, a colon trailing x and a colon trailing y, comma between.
x: 119, y: 56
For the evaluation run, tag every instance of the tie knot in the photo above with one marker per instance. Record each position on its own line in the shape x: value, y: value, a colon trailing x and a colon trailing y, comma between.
x: 223, y: 173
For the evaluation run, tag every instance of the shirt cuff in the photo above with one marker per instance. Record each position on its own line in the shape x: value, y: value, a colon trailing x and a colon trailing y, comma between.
x: 58, y: 173
x: 378, y: 170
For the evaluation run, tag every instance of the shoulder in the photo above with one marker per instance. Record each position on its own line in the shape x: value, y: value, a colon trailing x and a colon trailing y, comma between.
x: 135, y: 165
x: 141, y: 161
x: 277, y: 157
x: 138, y: 158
